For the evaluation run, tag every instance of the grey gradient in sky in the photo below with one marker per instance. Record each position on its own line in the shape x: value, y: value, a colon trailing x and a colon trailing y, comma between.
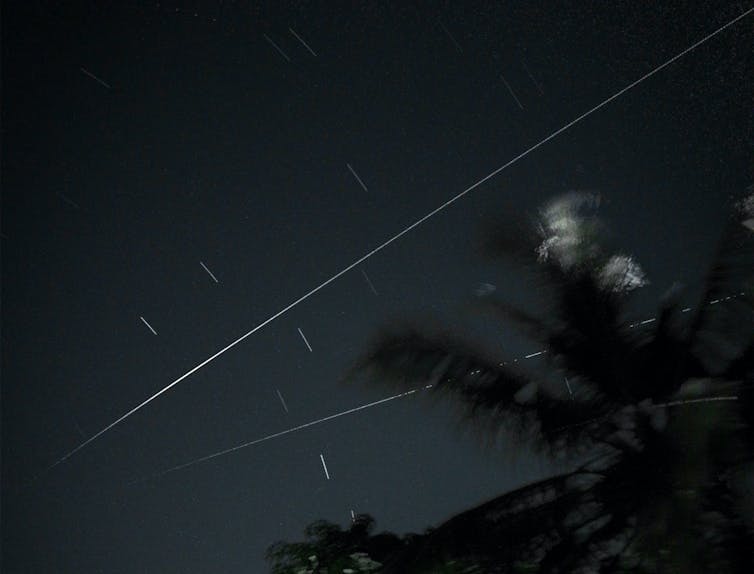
x: 142, y: 139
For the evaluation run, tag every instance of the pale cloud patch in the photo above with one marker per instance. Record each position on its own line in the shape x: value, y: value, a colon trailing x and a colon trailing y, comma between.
x: 566, y: 232
x: 622, y: 273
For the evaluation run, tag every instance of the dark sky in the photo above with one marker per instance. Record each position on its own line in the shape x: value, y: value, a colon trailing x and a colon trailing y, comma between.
x: 204, y: 143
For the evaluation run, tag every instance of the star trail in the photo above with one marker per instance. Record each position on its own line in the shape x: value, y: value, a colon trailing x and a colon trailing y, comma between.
x: 402, y: 232
x: 179, y: 179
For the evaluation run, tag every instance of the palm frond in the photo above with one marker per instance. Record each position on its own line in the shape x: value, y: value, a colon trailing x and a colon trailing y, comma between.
x: 496, y: 532
x: 723, y: 325
x: 531, y: 326
x: 587, y: 288
x: 591, y: 341
x: 731, y: 534
x: 570, y: 553
x: 495, y: 397
x: 652, y: 463
x: 662, y: 359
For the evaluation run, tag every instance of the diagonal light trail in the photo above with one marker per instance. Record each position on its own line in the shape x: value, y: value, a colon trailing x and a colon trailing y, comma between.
x: 531, y: 77
x: 148, y: 325
x: 322, y: 458
x: 300, y: 39
x: 356, y: 175
x: 404, y: 232
x: 279, y: 434
x: 398, y: 396
x: 656, y: 406
x: 278, y: 48
x: 452, y: 39
x: 507, y: 85
x: 369, y: 281
x: 68, y: 200
x: 282, y: 400
x: 373, y: 404
x: 208, y: 271
x: 308, y: 346
x: 95, y: 78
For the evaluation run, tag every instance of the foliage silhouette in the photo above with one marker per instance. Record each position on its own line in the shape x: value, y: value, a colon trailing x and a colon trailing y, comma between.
x: 329, y: 548
x: 662, y: 412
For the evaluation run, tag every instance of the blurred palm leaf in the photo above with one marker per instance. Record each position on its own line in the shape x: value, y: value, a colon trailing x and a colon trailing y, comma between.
x: 625, y: 374
x: 665, y: 412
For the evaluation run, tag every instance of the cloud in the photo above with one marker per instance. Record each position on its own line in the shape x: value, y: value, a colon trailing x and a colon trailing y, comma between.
x: 622, y: 273
x: 569, y: 233
x: 568, y: 236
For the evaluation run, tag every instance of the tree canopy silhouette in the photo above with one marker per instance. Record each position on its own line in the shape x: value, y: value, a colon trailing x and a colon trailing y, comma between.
x: 662, y: 412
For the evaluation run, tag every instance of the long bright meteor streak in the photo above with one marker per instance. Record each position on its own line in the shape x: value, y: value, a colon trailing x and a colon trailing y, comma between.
x: 282, y: 433
x: 397, y: 236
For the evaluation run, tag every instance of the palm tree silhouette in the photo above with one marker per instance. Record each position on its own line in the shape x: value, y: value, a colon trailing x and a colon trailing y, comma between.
x: 660, y: 420
x: 666, y: 453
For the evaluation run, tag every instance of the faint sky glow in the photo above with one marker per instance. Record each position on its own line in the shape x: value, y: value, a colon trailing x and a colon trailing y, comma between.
x: 561, y: 219
x: 179, y: 179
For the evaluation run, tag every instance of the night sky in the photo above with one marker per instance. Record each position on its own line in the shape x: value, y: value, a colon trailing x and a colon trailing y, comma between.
x: 142, y: 138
